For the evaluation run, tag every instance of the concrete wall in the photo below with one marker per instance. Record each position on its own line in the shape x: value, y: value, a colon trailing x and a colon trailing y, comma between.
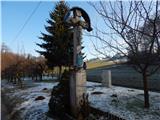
x: 123, y: 75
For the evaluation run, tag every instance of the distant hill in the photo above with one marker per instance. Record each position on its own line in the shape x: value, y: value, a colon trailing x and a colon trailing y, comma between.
x: 98, y: 63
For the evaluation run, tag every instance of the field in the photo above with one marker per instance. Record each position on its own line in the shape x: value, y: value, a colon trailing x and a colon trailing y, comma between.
x: 98, y: 63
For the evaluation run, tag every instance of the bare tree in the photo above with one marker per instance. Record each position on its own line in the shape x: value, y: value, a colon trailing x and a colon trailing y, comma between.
x: 132, y: 30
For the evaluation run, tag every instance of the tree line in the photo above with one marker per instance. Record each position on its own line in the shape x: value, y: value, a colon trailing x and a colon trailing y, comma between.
x: 15, y: 67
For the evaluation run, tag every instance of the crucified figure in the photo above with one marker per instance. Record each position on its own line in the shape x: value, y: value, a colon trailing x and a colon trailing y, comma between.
x: 78, y: 24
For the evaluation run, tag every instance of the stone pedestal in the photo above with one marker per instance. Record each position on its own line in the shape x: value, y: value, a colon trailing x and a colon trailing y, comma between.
x: 106, y: 78
x: 77, y: 89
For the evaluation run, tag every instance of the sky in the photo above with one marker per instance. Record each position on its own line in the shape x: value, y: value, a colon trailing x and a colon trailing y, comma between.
x: 23, y: 40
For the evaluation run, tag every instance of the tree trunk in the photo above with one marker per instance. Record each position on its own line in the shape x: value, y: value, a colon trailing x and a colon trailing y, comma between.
x: 32, y: 77
x: 146, y: 94
x: 60, y: 70
x: 41, y: 77
x: 14, y: 81
x: 36, y: 77
x: 20, y: 82
x: 52, y: 73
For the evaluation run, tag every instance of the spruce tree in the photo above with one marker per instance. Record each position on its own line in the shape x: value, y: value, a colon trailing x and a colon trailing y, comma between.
x: 58, y: 50
x: 58, y: 43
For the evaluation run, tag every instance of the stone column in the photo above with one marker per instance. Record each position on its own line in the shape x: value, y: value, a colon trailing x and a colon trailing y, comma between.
x: 106, y: 78
x: 78, y: 75
x: 74, y: 46
x: 77, y: 89
x: 73, y: 93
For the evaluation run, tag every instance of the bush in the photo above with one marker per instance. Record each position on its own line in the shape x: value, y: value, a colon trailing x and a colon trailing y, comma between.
x: 59, y: 101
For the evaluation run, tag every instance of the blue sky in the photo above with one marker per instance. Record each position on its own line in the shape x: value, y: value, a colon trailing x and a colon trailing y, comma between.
x: 14, y: 14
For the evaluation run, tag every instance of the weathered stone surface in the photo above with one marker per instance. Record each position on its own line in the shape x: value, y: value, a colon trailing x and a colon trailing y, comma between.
x: 77, y: 89
x: 106, y: 78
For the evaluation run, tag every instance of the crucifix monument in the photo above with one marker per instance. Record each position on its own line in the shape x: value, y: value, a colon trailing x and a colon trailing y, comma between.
x: 78, y: 76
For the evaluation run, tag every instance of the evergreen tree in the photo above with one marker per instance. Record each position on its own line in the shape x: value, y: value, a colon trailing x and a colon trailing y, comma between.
x: 58, y: 50
x: 58, y: 43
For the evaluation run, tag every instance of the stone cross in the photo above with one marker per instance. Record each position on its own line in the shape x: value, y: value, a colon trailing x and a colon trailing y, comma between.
x: 78, y: 76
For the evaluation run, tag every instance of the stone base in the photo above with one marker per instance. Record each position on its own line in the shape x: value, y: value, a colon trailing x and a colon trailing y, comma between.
x: 106, y: 78
x: 77, y: 89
